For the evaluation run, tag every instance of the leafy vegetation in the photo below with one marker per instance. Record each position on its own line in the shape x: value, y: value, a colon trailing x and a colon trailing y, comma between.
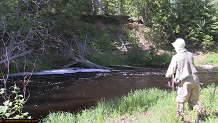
x: 13, y: 104
x: 134, y: 57
x: 72, y: 29
x: 197, y: 31
x: 148, y: 105
x: 55, y: 33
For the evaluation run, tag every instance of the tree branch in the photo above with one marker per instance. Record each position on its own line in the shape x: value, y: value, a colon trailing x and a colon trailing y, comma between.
x: 16, y: 56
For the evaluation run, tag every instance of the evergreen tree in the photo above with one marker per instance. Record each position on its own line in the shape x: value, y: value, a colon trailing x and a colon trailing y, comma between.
x: 196, y: 21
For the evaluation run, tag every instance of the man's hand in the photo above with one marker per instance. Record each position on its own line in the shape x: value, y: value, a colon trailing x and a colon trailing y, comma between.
x: 170, y: 83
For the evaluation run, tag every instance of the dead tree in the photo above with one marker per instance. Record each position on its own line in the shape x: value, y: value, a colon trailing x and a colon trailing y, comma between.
x: 75, y: 51
x: 16, y: 40
x: 33, y: 40
x: 123, y: 45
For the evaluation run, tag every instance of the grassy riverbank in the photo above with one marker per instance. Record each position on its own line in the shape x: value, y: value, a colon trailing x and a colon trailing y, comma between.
x: 209, y: 58
x: 144, y: 60
x: 141, y: 106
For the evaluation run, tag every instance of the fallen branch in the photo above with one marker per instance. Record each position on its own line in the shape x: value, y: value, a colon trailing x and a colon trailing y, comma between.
x: 85, y: 63
x: 123, y: 46
x: 16, y: 56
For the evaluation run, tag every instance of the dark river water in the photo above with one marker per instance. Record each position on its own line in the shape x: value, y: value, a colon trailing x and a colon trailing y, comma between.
x: 73, y: 91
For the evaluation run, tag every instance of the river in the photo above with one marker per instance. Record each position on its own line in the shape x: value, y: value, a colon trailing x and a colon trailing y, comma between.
x: 73, y: 89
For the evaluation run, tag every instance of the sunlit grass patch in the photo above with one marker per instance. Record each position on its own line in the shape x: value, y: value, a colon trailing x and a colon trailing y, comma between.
x: 59, y: 117
x: 210, y: 58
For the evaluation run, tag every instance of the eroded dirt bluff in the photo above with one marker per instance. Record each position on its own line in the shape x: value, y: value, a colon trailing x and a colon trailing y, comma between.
x: 118, y: 26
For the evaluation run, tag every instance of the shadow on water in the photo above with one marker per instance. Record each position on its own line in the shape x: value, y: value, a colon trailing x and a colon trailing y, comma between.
x: 70, y: 92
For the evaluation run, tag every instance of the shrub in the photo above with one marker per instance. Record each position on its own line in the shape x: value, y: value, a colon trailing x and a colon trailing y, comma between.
x: 12, y: 107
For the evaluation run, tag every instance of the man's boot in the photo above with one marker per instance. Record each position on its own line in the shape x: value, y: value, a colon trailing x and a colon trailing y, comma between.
x: 198, y: 118
x: 200, y: 110
x: 180, y: 109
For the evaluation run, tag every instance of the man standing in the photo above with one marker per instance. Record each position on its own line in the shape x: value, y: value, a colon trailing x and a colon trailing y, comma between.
x: 186, y: 79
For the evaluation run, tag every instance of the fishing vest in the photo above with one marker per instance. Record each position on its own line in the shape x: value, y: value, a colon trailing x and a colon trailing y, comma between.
x: 185, y: 66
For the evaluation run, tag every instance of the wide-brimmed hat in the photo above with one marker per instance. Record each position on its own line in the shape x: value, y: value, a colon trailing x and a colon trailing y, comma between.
x: 179, y: 43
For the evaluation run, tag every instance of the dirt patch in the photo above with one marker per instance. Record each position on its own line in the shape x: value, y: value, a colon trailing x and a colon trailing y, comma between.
x: 199, y: 57
x: 133, y: 118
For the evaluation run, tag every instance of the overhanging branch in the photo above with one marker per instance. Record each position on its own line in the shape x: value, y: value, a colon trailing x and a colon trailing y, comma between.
x: 16, y: 56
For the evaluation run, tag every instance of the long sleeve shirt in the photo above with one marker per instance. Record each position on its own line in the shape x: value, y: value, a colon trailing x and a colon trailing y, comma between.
x: 182, y: 64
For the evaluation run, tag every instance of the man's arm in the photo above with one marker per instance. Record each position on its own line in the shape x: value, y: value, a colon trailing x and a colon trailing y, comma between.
x: 172, y: 67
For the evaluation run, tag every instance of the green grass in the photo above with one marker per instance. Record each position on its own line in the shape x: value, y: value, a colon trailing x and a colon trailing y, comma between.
x: 210, y: 58
x: 134, y: 57
x: 107, y: 59
x: 141, y: 106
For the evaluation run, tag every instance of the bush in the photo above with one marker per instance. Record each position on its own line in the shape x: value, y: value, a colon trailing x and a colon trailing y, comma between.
x: 12, y: 108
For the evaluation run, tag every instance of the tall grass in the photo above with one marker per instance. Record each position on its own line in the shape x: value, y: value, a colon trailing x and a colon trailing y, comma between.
x: 141, y: 106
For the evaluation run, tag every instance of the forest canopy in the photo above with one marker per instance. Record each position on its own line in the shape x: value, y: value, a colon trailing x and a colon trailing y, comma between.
x: 72, y: 30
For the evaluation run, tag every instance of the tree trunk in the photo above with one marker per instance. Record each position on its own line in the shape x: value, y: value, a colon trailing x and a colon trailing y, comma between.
x: 84, y: 63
